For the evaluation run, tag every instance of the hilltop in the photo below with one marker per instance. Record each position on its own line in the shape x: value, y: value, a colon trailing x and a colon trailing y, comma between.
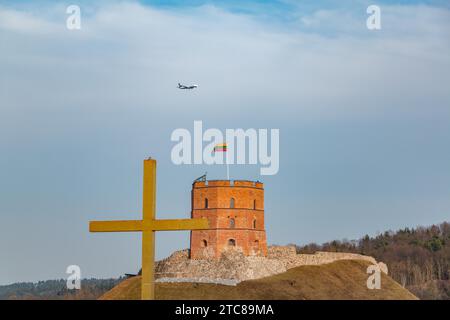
x: 283, y: 274
x: 344, y: 279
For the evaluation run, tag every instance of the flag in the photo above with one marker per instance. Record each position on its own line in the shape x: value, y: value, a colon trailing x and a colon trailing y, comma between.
x: 220, y: 147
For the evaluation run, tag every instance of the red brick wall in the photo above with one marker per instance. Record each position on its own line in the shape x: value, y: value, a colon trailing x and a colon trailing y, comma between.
x: 251, y: 239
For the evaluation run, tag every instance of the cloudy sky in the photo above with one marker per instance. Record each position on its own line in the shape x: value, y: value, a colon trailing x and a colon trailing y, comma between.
x: 364, y: 119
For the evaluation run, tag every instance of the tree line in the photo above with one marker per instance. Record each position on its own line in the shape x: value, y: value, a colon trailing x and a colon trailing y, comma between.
x: 91, y: 289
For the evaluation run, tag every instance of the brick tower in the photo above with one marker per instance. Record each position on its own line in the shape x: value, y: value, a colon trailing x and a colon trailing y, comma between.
x: 235, y: 210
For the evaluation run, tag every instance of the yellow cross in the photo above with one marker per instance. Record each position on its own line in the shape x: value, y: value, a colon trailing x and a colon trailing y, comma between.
x: 148, y: 225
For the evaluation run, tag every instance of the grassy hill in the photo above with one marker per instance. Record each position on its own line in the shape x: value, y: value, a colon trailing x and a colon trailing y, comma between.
x: 339, y: 280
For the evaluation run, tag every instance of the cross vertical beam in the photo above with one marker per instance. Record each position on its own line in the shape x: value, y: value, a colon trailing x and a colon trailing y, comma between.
x: 148, y: 236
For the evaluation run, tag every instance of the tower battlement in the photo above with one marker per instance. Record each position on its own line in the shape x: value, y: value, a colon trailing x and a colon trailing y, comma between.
x: 235, y: 210
x: 227, y: 183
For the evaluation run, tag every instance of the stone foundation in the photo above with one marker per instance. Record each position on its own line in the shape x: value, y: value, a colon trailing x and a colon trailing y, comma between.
x: 234, y: 265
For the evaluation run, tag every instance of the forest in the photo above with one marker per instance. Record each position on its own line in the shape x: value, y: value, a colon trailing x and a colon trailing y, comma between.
x: 418, y: 259
x: 57, y: 290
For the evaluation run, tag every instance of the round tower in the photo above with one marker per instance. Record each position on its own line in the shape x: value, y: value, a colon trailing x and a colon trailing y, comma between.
x: 235, y: 210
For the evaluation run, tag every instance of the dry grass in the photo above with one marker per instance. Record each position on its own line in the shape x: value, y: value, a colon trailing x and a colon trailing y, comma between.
x: 339, y: 280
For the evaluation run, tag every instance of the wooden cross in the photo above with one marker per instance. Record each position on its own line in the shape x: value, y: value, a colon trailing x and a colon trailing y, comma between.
x: 148, y: 225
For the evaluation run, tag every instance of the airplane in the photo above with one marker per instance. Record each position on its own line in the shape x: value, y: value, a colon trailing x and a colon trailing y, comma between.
x: 180, y: 86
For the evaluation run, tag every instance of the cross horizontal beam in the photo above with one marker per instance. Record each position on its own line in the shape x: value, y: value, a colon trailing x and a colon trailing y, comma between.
x: 152, y: 225
x: 116, y: 226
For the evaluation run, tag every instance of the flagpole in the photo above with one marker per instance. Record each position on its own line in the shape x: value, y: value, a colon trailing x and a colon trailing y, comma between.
x: 223, y: 148
x: 226, y: 161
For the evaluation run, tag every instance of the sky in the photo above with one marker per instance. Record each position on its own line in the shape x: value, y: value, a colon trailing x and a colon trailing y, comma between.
x: 364, y: 120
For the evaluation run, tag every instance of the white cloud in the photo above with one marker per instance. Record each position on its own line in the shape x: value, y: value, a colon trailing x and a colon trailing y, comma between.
x: 16, y: 21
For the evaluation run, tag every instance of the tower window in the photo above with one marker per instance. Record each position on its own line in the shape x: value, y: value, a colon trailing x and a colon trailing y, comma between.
x: 254, y: 204
x: 204, y: 243
x: 232, y: 242
x: 232, y: 203
x: 254, y: 224
x: 206, y: 203
x: 256, y: 246
x: 232, y: 223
